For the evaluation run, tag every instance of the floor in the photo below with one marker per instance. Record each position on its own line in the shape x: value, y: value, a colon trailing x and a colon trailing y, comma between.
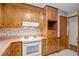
x: 66, y: 52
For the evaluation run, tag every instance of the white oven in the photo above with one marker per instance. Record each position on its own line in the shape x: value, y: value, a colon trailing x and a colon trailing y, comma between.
x: 32, y: 49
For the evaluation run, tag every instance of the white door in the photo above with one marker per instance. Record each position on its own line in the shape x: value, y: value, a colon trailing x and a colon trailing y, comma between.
x: 73, y: 31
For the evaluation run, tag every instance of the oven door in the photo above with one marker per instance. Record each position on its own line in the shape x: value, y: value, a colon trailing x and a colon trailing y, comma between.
x: 32, y: 49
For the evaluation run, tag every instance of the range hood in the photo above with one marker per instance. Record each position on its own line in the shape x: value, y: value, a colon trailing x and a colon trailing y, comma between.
x: 30, y: 24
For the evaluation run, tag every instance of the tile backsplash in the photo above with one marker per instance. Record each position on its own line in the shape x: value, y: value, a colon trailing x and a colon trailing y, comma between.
x: 28, y: 31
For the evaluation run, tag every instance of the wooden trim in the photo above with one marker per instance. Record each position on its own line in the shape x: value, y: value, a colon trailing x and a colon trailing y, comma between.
x: 50, y: 6
x: 27, y: 6
x: 73, y: 16
x: 78, y: 33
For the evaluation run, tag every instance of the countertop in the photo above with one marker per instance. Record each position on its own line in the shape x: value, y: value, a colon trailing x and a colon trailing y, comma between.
x: 5, y: 42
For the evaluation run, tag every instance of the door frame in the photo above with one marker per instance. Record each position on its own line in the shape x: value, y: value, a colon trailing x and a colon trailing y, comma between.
x: 78, y: 33
x: 72, y: 46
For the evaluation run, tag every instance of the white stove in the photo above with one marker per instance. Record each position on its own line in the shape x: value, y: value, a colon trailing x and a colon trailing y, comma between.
x: 32, y: 46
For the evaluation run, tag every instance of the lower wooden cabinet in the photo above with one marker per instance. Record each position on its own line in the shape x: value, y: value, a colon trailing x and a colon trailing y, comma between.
x: 15, y: 49
x: 43, y: 47
x: 8, y: 51
x: 49, y: 46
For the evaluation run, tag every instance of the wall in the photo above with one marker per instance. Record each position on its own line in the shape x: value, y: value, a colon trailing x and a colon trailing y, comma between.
x: 28, y: 31
x: 73, y: 32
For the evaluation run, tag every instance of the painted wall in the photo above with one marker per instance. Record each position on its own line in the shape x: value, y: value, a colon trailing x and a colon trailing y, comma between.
x: 73, y: 31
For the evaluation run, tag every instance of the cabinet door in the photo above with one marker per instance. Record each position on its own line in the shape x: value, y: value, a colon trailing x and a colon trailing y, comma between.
x: 8, y: 51
x: 1, y: 15
x: 12, y: 16
x: 8, y: 15
x: 51, y: 45
x: 52, y: 13
x: 51, y: 42
x: 35, y: 16
x: 18, y: 15
x: 43, y: 47
x: 26, y: 13
x: 49, y: 10
x: 17, y: 49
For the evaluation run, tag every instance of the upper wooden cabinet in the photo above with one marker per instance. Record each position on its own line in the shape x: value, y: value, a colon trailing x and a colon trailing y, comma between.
x: 11, y: 16
x: 31, y: 15
x: 52, y: 13
x: 1, y: 15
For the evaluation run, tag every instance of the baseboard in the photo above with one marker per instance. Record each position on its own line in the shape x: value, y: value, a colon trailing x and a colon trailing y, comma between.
x: 74, y: 48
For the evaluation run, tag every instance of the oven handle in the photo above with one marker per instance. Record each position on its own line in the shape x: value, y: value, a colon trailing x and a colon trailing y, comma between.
x: 32, y: 44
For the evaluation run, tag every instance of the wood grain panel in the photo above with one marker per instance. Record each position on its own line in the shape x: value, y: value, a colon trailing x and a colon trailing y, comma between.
x: 63, y: 33
x: 78, y: 32
x: 17, y: 48
x: 43, y: 23
x: 8, y: 51
x: 14, y: 14
x: 51, y: 42
x: 43, y: 47
x: 52, y: 13
x: 14, y: 49
x: 1, y: 15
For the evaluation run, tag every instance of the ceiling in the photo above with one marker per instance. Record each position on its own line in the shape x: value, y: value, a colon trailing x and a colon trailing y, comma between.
x: 68, y: 7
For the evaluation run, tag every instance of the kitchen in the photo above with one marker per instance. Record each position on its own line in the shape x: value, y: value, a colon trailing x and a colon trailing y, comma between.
x: 28, y: 30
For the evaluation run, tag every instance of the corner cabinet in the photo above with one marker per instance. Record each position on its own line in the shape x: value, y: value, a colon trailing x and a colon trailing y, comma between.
x: 14, y: 49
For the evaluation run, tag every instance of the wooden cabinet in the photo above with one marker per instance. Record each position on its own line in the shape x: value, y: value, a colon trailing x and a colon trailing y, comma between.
x: 52, y: 13
x: 12, y: 16
x: 51, y: 44
x: 8, y: 51
x: 31, y: 15
x: 43, y: 23
x: 43, y: 47
x: 15, y: 49
x: 51, y: 34
x: 1, y: 15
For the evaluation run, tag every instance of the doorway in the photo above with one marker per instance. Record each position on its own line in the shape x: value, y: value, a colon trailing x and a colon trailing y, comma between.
x: 73, y: 33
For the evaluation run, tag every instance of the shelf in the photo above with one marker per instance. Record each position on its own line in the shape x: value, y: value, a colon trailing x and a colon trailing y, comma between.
x: 52, y: 25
